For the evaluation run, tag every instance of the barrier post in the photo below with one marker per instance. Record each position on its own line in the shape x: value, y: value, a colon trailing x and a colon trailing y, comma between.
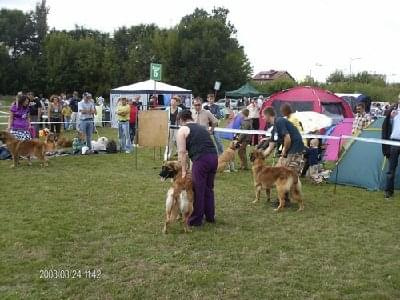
x: 337, y: 166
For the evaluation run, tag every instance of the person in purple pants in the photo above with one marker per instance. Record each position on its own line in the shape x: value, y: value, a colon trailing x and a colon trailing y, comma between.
x: 195, y: 141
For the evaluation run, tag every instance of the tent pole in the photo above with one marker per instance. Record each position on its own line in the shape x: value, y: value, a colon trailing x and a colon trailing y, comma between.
x: 337, y: 166
x: 136, y: 137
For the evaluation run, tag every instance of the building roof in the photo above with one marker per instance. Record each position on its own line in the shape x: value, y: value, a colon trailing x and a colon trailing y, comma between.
x: 271, y: 75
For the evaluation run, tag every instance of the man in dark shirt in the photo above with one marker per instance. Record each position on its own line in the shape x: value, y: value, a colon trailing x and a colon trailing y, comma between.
x: 286, y: 134
x: 73, y: 103
x: 35, y: 110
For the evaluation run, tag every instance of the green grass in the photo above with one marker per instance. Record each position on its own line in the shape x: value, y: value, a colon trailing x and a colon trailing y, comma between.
x: 99, y: 212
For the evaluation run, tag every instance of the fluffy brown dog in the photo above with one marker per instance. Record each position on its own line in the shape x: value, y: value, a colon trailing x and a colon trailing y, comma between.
x: 285, y: 180
x: 50, y: 142
x: 25, y: 148
x: 180, y: 196
x: 227, y: 157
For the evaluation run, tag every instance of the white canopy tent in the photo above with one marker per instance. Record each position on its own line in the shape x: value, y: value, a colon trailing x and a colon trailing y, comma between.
x: 144, y: 89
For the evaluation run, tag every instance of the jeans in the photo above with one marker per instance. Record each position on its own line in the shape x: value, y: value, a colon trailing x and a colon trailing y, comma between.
x: 124, y: 136
x: 86, y: 127
x: 67, y: 120
x: 393, y: 162
x: 218, y: 143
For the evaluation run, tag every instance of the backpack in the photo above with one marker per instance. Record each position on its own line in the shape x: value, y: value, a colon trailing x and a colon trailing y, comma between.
x: 111, y: 147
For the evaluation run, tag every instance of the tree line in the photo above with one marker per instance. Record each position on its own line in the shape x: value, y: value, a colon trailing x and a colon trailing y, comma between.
x: 195, y: 53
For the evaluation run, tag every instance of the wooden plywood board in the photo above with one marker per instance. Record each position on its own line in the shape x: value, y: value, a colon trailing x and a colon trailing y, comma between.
x: 153, y: 128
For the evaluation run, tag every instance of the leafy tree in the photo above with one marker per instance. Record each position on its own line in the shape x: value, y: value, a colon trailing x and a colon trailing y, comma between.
x: 205, y: 51
x: 274, y: 86
x: 336, y: 76
x: 16, y: 31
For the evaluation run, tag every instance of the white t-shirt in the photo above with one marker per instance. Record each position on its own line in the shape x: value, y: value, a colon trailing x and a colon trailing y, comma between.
x: 254, y: 111
x: 396, y: 127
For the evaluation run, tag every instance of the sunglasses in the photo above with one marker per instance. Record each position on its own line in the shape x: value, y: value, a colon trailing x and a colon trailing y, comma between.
x: 197, y: 104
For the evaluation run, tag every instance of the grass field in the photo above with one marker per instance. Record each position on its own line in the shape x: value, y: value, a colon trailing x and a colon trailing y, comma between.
x: 99, y: 213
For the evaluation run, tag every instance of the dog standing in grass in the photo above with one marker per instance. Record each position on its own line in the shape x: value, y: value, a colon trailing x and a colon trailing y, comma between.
x: 27, y: 148
x: 180, y: 197
x: 227, y: 158
x: 284, y: 179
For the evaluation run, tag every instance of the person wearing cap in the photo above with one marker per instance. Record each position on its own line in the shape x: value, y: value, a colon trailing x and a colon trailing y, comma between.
x: 86, y: 111
x: 194, y: 140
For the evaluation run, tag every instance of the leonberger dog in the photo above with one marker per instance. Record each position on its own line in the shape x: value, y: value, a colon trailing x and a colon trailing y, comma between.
x: 228, y: 157
x: 19, y: 148
x: 284, y: 179
x: 180, y: 195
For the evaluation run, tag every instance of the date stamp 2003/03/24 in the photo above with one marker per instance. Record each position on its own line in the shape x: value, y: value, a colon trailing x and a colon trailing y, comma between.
x: 70, y: 273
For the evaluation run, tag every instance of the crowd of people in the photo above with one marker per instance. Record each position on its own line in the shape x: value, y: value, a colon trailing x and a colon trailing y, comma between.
x: 302, y: 155
x: 29, y: 114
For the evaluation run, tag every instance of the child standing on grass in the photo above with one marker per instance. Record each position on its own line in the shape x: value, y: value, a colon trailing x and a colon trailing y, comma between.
x: 123, y: 115
x: 78, y: 142
x: 312, y: 157
x: 66, y: 113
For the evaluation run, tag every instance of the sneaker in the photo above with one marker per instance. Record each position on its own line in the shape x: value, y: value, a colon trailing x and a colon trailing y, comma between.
x: 227, y: 171
x: 127, y: 151
x: 388, y: 195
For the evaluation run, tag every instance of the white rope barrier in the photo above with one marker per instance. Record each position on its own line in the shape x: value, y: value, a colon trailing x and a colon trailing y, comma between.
x: 267, y: 134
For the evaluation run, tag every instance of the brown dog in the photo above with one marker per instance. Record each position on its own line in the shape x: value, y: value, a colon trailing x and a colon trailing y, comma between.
x: 227, y: 157
x: 50, y: 142
x: 25, y: 148
x: 284, y: 179
x: 180, y: 196
x: 63, y: 142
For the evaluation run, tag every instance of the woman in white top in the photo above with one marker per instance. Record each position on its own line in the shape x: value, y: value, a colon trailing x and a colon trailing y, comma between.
x: 254, y: 116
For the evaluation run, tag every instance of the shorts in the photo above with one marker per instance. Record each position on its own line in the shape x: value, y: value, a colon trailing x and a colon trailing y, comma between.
x: 293, y: 161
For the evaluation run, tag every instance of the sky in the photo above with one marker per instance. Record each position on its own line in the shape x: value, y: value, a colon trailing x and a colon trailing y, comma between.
x: 301, y: 36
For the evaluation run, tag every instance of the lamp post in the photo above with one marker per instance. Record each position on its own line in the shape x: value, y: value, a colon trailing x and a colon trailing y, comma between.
x: 316, y: 65
x: 351, y: 60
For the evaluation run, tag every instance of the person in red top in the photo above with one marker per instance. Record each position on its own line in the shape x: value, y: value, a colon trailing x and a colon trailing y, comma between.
x: 133, y: 118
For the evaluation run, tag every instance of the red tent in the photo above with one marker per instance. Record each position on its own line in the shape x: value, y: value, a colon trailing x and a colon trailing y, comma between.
x: 306, y: 98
